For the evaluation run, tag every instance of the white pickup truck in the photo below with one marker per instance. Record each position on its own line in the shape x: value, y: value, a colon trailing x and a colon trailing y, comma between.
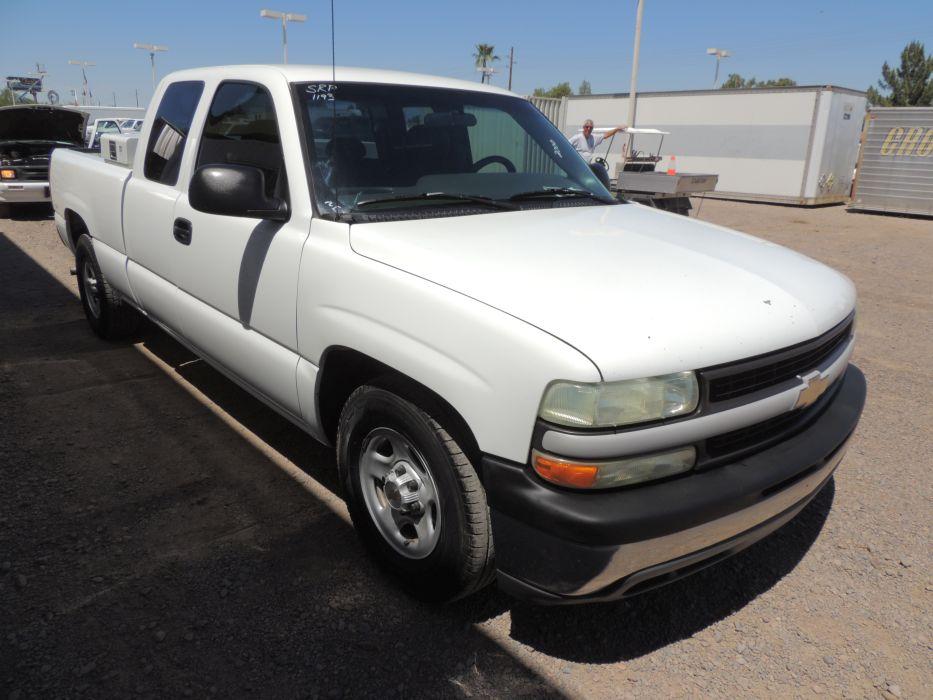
x: 523, y: 377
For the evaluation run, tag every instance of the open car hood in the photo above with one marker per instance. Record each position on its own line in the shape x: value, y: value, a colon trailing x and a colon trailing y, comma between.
x: 41, y: 123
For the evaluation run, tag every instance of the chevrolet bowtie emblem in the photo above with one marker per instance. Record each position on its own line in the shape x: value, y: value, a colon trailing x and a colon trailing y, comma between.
x: 813, y: 387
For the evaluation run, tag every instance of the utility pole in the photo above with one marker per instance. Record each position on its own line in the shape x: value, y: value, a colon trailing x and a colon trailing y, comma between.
x: 152, y: 49
x: 114, y: 99
x: 632, y: 93
x: 511, y: 63
x: 137, y: 97
x: 285, y: 17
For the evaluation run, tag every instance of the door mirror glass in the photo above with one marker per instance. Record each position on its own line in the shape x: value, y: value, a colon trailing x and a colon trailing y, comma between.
x: 234, y: 190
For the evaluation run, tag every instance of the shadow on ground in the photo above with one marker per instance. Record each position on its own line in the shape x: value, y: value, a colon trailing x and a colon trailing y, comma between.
x: 592, y: 633
x: 32, y: 211
x: 645, y: 623
x: 146, y: 547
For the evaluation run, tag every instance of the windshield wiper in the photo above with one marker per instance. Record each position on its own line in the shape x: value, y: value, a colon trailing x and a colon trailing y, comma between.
x: 557, y: 193
x: 451, y: 197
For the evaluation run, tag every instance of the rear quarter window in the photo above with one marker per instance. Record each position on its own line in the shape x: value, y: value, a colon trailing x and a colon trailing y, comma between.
x: 170, y: 131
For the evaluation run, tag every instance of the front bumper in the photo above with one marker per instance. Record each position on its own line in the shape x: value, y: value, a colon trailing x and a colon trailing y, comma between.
x: 13, y: 192
x: 559, y: 546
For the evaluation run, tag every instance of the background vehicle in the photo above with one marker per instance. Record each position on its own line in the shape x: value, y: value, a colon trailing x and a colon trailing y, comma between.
x: 28, y: 133
x: 100, y: 127
x: 131, y: 124
x: 522, y: 377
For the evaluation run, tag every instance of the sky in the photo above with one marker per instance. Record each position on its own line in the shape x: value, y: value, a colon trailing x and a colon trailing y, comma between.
x: 839, y: 42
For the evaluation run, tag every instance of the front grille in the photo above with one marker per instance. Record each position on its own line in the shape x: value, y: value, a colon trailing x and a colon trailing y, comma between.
x: 749, y: 376
x: 751, y: 436
x: 35, y: 173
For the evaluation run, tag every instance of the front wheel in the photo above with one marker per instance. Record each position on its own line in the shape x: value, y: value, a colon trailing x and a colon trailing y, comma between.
x: 108, y: 315
x: 414, y: 495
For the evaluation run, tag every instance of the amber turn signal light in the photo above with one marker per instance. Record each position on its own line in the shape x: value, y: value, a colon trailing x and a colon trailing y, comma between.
x: 7, y: 174
x: 557, y: 471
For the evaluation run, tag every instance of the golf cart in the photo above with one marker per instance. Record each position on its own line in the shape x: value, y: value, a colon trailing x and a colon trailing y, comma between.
x: 637, y: 179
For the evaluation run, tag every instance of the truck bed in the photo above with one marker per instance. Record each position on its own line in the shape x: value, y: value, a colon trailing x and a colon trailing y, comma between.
x: 86, y: 185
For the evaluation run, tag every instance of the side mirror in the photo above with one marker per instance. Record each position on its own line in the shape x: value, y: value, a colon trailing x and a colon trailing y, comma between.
x: 601, y: 173
x: 234, y: 190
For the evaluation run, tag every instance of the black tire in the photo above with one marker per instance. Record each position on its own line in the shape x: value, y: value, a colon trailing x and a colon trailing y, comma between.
x: 111, y: 318
x: 462, y: 559
x: 6, y: 211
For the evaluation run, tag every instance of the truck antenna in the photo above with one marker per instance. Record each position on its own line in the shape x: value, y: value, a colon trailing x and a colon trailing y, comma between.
x: 333, y: 129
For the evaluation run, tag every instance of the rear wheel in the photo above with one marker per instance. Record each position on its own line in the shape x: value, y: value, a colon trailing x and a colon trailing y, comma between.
x: 108, y: 315
x: 414, y: 495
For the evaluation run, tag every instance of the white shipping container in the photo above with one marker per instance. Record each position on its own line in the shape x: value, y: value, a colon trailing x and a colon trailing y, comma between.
x: 793, y: 145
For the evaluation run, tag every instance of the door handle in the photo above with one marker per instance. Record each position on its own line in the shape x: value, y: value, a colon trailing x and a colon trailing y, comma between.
x: 182, y: 231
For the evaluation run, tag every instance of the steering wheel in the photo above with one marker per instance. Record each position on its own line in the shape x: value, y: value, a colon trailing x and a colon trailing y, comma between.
x: 489, y: 160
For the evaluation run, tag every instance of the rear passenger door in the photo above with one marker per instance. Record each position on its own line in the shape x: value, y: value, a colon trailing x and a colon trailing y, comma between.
x: 241, y: 274
x: 149, y: 202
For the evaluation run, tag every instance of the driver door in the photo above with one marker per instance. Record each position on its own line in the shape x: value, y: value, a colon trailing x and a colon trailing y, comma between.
x: 240, y: 275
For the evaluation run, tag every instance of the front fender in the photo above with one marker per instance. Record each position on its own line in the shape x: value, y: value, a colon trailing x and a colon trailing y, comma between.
x: 491, y: 367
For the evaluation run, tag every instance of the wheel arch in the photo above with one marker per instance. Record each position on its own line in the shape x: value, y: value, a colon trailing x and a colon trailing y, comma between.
x: 75, y: 226
x: 343, y: 370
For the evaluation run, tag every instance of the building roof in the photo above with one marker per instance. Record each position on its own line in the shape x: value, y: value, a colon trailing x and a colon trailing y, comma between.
x: 720, y: 91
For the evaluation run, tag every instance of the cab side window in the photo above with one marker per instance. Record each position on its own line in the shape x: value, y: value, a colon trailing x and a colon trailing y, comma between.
x: 241, y: 129
x: 170, y: 131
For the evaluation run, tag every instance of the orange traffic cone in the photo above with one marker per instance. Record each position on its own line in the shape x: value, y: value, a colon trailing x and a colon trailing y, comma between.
x: 672, y: 166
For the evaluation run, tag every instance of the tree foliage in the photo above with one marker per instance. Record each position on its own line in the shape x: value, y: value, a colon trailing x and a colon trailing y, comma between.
x: 585, y: 88
x: 484, y: 55
x: 736, y: 81
x: 559, y: 90
x: 909, y: 85
x: 6, y: 97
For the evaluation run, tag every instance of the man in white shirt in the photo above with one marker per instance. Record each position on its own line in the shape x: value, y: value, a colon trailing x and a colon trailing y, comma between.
x: 586, y: 143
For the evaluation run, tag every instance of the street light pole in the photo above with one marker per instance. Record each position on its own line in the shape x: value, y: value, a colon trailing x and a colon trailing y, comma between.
x: 152, y: 49
x: 487, y: 72
x: 86, y: 92
x: 719, y: 54
x: 285, y: 17
x: 632, y: 93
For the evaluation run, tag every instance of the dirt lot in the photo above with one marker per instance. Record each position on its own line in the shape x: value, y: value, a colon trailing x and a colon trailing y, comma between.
x: 162, y: 533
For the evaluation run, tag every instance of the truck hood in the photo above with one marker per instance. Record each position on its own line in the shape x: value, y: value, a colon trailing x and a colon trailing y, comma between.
x: 639, y: 291
x: 41, y: 123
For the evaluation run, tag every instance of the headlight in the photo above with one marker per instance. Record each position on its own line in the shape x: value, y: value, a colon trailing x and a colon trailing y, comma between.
x: 609, y: 404
x: 617, y: 472
x: 6, y: 174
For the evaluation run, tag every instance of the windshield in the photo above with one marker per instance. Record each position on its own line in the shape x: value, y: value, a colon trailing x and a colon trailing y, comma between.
x: 410, y: 151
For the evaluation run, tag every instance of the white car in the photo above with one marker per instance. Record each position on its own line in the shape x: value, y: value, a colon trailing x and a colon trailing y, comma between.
x: 98, y: 128
x: 127, y: 125
x: 523, y: 377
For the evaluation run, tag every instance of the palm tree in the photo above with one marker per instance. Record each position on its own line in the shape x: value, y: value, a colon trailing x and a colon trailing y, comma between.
x: 485, y: 54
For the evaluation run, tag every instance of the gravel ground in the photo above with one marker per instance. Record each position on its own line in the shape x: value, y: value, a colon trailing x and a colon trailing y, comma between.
x: 164, y: 534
